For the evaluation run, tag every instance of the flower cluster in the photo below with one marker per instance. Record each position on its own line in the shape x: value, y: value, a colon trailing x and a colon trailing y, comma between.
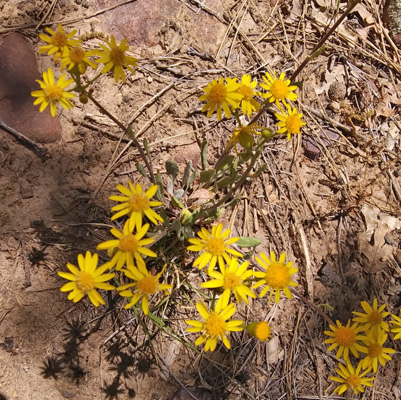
x: 231, y: 96
x: 367, y: 335
x: 75, y: 59
x: 234, y: 280
x: 128, y: 253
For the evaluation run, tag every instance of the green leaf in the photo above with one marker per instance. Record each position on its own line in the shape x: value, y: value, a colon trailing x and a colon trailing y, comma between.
x: 172, y: 169
x: 176, y: 203
x: 259, y: 171
x: 186, y: 175
x: 160, y: 190
x: 204, y: 155
x: 207, y: 176
x: 225, y: 182
x: 141, y: 169
x: 248, y: 242
x: 225, y: 164
x: 146, y: 146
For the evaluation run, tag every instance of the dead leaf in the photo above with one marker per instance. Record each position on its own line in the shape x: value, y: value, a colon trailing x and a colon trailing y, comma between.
x: 274, y: 351
x: 374, y: 253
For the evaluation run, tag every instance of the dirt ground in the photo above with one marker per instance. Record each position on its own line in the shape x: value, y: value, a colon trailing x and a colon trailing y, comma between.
x: 331, y: 199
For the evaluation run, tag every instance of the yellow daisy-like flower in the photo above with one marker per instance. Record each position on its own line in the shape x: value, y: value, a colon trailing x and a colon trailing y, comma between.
x: 278, y: 89
x: 396, y: 322
x: 376, y: 353
x: 53, y: 93
x: 86, y: 279
x: 219, y: 95
x: 351, y: 378
x: 58, y: 41
x: 346, y: 338
x: 374, y: 317
x: 214, y: 247
x: 114, y: 58
x: 290, y: 123
x: 244, y: 136
x: 277, y: 276
x: 128, y: 246
x: 76, y: 57
x: 215, y: 327
x: 260, y: 330
x: 145, y: 285
x: 135, y: 204
x: 246, y: 88
x: 232, y: 280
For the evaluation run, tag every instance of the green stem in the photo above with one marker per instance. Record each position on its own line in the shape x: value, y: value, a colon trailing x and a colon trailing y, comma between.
x: 313, y: 54
x: 128, y: 131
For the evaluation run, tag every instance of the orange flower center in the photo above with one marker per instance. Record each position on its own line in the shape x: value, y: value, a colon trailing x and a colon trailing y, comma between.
x: 375, y: 317
x: 218, y: 93
x: 77, y: 55
x: 375, y: 350
x: 53, y: 92
x: 345, y: 336
x: 353, y: 381
x: 85, y: 281
x: 138, y: 202
x: 117, y: 56
x: 262, y: 331
x: 231, y: 281
x: 293, y: 123
x: 128, y: 243
x: 279, y: 90
x: 246, y: 91
x: 215, y: 325
x: 278, y: 276
x: 147, y: 285
x: 59, y: 39
x: 215, y: 246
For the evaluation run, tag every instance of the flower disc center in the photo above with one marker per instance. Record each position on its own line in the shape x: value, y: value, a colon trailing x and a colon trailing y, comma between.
x: 128, y: 243
x: 279, y: 90
x: 345, y: 336
x: 85, y: 281
x: 218, y: 94
x: 53, y: 92
x: 138, y: 202
x: 117, y: 56
x: 215, y: 246
x: 147, y: 285
x: 231, y: 281
x: 278, y: 276
x: 215, y: 325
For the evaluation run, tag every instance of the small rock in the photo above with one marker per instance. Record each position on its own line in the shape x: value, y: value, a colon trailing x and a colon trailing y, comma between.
x: 26, y: 190
x: 18, y: 71
x: 312, y: 146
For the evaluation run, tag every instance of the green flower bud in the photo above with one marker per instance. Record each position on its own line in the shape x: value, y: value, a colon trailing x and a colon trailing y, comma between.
x: 246, y: 140
x: 83, y: 98
x: 267, y: 134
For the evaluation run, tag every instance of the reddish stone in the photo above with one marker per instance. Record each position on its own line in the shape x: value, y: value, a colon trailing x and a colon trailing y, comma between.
x: 143, y: 21
x: 18, y: 71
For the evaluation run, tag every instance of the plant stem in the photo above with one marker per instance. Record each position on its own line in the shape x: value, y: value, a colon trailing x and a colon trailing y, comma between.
x: 128, y: 132
x: 314, y: 53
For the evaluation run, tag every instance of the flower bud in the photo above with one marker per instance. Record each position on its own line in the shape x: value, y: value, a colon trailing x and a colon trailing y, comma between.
x: 261, y: 330
x: 245, y: 140
x: 83, y: 98
x: 267, y: 134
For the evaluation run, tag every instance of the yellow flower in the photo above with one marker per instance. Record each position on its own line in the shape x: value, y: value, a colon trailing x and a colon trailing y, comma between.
x: 290, y: 123
x: 135, y: 203
x: 260, y: 330
x: 52, y: 92
x: 58, y: 41
x: 244, y: 136
x: 351, y: 378
x: 114, y: 58
x: 214, y: 247
x: 76, y: 57
x: 221, y: 96
x: 397, y: 326
x: 278, y: 89
x: 375, y: 351
x: 248, y: 103
x: 374, y: 317
x: 145, y: 285
x: 86, y: 279
x: 277, y: 275
x: 128, y: 246
x: 346, y: 338
x: 231, y: 279
x: 215, y: 326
